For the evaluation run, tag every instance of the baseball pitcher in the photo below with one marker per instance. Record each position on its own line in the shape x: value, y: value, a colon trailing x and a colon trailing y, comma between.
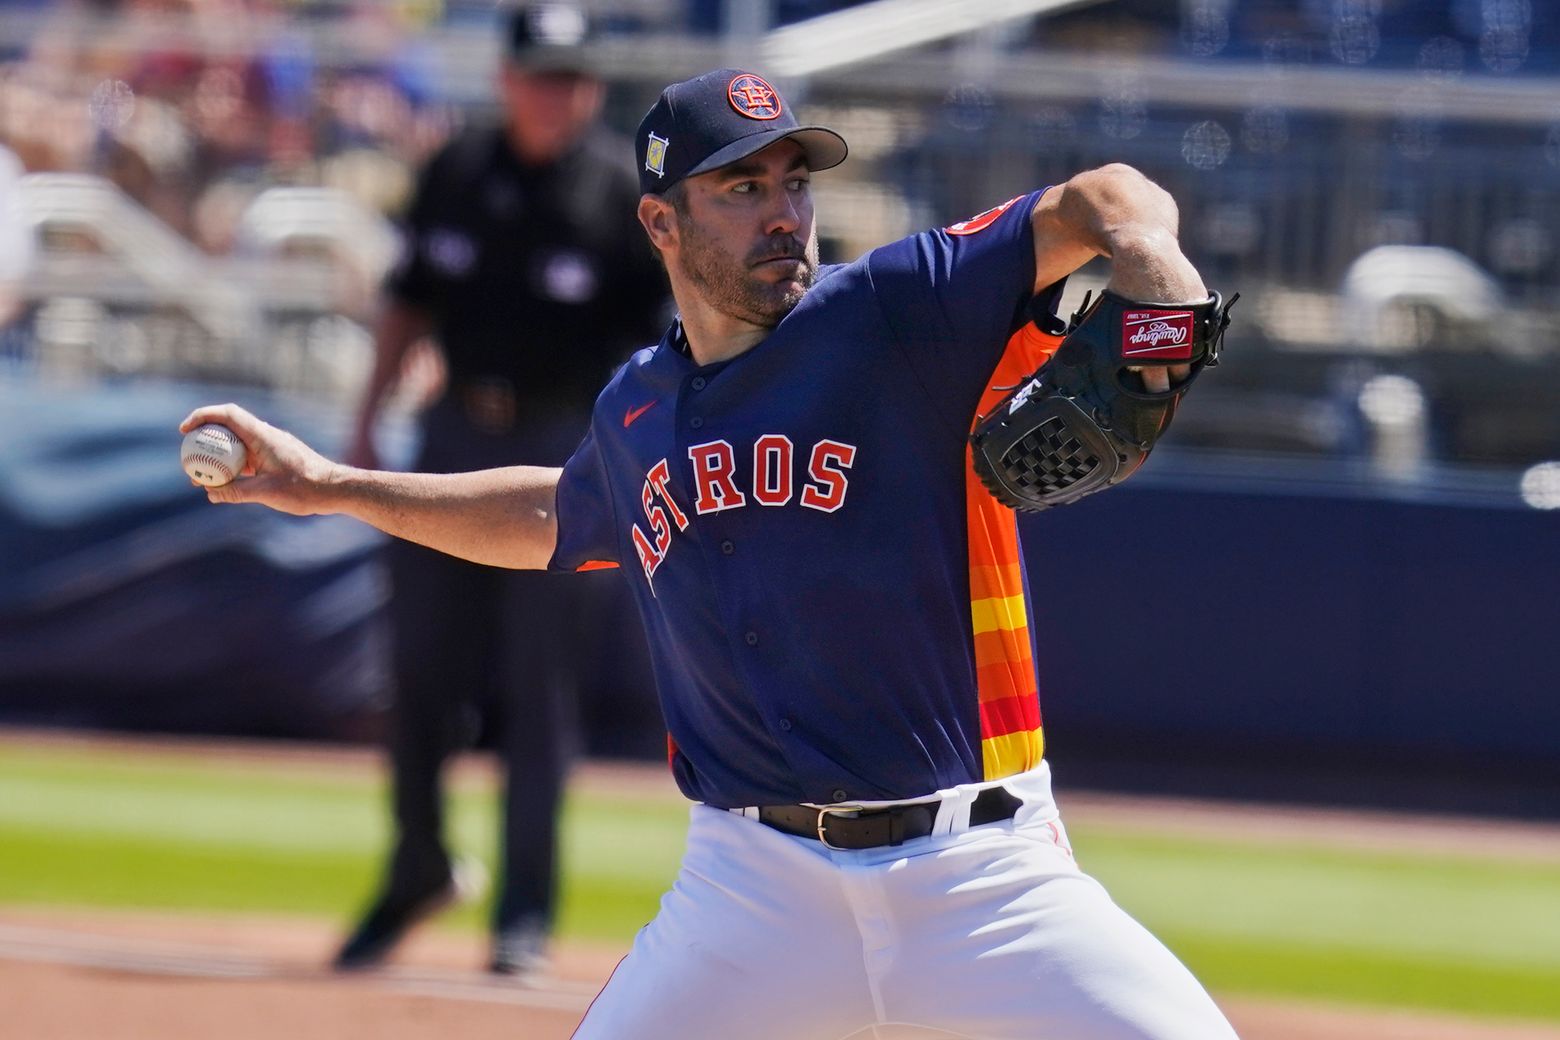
x: 810, y: 484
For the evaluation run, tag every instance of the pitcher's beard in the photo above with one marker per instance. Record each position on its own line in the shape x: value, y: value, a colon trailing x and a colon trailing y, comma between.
x: 731, y: 284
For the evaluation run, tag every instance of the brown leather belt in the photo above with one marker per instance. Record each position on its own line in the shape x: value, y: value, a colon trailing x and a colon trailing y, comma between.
x: 852, y: 827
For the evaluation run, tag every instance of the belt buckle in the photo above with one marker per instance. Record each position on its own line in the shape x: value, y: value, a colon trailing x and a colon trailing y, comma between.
x: 825, y: 811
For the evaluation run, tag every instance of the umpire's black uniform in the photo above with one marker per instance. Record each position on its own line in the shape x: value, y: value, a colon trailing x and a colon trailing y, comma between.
x: 537, y: 281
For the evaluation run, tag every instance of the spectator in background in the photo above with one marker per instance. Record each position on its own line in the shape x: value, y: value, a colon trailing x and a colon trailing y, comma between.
x: 525, y: 263
x: 16, y: 237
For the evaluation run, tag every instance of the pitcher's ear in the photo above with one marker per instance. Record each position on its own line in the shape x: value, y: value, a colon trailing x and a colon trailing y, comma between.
x: 659, y: 219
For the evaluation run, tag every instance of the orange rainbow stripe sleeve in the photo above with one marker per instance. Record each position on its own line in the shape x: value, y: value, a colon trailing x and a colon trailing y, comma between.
x: 1012, y: 739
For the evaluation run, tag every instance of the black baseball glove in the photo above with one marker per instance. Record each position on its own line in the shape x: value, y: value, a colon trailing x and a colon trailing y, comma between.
x: 1084, y: 420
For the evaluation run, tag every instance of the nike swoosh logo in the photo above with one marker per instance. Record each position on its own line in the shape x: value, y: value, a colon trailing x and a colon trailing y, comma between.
x: 634, y: 413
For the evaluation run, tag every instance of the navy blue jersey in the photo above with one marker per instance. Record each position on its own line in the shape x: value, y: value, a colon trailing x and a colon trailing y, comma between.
x: 834, y: 606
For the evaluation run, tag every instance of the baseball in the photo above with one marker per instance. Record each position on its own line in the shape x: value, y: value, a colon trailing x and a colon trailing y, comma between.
x: 212, y: 455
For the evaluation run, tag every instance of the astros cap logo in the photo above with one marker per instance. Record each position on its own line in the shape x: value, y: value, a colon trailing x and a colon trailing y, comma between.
x: 752, y: 97
x: 655, y: 154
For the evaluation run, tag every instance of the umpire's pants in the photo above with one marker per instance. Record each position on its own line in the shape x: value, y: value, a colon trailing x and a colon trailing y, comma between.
x: 481, y: 643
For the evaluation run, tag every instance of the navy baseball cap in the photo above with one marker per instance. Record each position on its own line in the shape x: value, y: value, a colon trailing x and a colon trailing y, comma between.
x: 710, y: 121
x: 549, y: 37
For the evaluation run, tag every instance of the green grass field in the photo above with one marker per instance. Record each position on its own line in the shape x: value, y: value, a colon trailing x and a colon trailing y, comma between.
x: 1460, y: 932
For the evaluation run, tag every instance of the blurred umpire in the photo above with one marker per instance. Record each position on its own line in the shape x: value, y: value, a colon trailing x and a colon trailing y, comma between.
x: 524, y: 261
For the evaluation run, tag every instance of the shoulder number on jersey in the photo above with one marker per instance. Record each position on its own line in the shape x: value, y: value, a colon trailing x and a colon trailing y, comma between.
x: 981, y: 221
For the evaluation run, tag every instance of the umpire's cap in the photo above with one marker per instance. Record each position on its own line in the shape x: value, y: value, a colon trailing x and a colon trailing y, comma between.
x: 550, y: 37
x: 710, y: 121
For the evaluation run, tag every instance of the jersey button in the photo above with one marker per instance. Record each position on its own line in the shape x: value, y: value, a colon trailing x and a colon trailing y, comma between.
x: 785, y: 724
x: 697, y: 382
x: 752, y: 638
x: 728, y: 547
x: 696, y: 422
x: 839, y: 794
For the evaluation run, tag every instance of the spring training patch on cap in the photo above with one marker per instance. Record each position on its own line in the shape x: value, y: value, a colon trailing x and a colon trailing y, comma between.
x: 655, y: 154
x: 752, y: 97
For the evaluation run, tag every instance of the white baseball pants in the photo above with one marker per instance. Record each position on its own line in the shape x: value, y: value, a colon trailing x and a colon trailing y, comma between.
x: 990, y: 933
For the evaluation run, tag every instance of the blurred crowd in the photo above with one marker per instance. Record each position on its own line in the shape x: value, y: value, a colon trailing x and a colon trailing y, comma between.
x: 1441, y: 37
x: 194, y: 106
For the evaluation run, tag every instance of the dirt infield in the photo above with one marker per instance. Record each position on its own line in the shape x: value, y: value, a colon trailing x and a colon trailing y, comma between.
x: 73, y: 976
x: 94, y: 975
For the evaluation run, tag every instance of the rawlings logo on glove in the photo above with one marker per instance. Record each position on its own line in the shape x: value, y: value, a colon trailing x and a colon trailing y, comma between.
x: 1083, y: 421
x: 1151, y: 328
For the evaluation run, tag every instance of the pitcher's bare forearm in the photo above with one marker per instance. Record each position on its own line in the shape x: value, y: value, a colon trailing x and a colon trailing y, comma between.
x: 501, y: 517
x: 1118, y: 213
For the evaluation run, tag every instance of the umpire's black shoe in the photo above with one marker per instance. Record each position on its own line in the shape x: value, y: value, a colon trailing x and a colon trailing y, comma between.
x: 520, y: 950
x: 400, y: 908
